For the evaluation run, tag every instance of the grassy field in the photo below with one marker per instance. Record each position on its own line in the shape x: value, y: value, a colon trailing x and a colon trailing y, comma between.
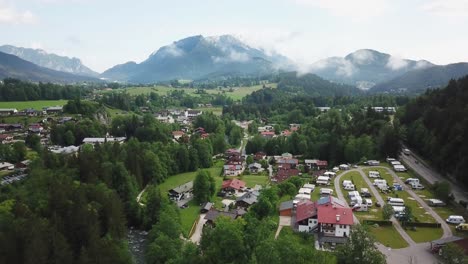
x: 252, y: 180
x: 425, y: 234
x: 215, y: 110
x: 374, y: 213
x: 388, y: 236
x: 38, y: 105
x: 237, y: 93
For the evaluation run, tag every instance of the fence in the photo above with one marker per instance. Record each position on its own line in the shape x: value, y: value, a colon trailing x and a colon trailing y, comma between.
x: 379, y: 222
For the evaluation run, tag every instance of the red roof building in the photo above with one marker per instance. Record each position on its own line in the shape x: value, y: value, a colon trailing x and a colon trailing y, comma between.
x: 284, y: 174
x: 267, y: 134
x: 305, y: 210
x: 233, y: 184
x: 335, y: 215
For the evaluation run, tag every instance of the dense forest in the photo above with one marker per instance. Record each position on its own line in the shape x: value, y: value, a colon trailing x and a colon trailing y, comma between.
x: 351, y: 132
x: 16, y: 90
x: 436, y: 126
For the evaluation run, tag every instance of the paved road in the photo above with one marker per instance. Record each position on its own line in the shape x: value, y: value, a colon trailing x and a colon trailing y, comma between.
x: 196, y: 236
x: 379, y: 198
x: 337, y: 183
x: 445, y: 226
x: 431, y: 175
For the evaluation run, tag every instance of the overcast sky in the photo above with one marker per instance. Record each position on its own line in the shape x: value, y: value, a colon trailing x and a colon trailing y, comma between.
x: 107, y: 32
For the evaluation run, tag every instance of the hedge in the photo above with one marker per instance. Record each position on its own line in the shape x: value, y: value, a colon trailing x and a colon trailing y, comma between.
x: 379, y: 222
x: 415, y: 224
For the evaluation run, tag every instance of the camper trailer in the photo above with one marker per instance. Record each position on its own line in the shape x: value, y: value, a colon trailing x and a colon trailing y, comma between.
x: 374, y: 174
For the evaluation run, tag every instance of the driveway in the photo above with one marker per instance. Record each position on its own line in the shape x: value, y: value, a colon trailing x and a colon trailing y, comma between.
x: 283, y: 221
x: 431, y: 175
x: 196, y: 236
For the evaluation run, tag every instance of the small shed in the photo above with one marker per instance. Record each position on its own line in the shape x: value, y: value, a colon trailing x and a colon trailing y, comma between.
x: 206, y: 207
x: 286, y: 208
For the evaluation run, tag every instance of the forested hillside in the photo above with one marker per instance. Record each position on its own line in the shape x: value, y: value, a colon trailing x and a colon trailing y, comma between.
x: 313, y: 85
x: 437, y: 125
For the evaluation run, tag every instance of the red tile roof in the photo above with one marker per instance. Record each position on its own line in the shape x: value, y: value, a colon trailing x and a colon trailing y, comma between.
x: 329, y: 215
x: 178, y: 133
x: 304, y: 210
x: 284, y: 174
x: 234, y: 184
x: 322, y: 163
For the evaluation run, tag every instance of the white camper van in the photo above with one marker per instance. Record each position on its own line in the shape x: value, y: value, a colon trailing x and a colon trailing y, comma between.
x: 374, y: 174
x: 380, y: 182
x: 326, y: 191
x: 455, y: 219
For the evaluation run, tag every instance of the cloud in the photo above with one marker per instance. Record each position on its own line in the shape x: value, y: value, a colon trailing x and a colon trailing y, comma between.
x: 172, y: 50
x: 447, y: 8
x: 360, y: 9
x: 232, y: 56
x: 422, y: 64
x: 9, y: 15
x: 396, y: 63
x: 363, y: 56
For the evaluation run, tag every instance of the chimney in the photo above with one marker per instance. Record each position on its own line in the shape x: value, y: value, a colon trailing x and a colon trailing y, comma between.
x: 337, y: 218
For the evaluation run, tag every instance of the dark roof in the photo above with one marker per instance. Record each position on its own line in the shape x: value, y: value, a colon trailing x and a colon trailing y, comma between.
x: 286, y: 205
x: 212, y: 215
x: 249, y: 197
x: 186, y: 187
x: 207, y: 206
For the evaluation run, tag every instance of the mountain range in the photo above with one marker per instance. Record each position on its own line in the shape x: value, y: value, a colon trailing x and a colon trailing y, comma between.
x: 365, y: 68
x: 14, y: 67
x: 197, y: 57
x: 50, y: 60
x: 218, y: 57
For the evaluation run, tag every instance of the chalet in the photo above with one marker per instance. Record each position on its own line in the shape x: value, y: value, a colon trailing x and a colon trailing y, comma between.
x: 11, y: 127
x: 335, y: 221
x: 6, y: 139
x: 259, y: 156
x: 233, y: 170
x: 283, y: 161
x: 267, y: 134
x: 329, y: 216
x: 181, y: 192
x: 232, y: 153
x: 192, y: 113
x: 248, y: 199
x: 165, y: 119
x: 286, y: 208
x: 96, y: 141
x: 316, y: 164
x: 177, y: 134
x: 35, y: 128
x: 8, y: 111
x: 233, y: 185
x: 212, y: 215
x: 53, y: 109
x: 255, y: 168
x: 284, y: 174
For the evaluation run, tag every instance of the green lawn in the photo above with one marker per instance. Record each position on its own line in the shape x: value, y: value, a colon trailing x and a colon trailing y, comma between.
x: 38, y: 105
x: 388, y: 236
x: 179, y: 179
x: 4, y: 173
x: 215, y: 110
x: 252, y: 180
x: 188, y: 216
x: 425, y: 234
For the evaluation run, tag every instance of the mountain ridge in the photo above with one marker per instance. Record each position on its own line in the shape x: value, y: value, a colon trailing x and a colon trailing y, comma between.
x: 50, y: 60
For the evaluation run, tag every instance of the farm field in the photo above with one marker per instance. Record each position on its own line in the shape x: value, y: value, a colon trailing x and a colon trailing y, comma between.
x: 237, y: 94
x: 38, y: 105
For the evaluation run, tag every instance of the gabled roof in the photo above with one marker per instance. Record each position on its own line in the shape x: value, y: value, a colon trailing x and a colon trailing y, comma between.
x: 234, y: 184
x: 249, y: 197
x: 304, y: 210
x: 330, y: 200
x: 183, y: 188
x: 335, y: 215
x: 212, y: 215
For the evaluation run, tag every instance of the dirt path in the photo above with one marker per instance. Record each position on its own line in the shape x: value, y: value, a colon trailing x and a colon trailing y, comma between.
x: 139, y: 196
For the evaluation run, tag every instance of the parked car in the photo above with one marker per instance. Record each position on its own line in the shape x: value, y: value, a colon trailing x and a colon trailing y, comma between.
x: 417, y: 186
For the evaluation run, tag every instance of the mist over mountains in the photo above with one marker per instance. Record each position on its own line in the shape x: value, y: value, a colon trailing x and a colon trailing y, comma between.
x: 217, y: 57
